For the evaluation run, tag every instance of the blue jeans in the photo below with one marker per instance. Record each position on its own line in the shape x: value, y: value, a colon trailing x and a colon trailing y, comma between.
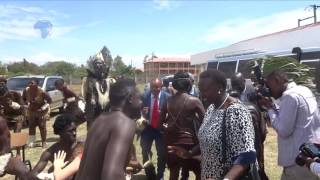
x: 149, y: 135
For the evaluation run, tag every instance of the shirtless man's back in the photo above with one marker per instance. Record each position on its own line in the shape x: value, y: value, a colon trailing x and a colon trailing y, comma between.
x: 108, y: 142
x: 111, y: 135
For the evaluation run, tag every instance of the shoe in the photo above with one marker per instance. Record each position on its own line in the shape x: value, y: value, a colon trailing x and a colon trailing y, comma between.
x: 44, y: 145
x: 32, y: 139
x: 31, y: 145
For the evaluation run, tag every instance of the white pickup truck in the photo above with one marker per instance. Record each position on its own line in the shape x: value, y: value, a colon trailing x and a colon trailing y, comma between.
x: 19, y: 83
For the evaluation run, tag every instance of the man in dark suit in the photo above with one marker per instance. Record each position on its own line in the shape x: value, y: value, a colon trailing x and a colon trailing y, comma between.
x: 153, y: 101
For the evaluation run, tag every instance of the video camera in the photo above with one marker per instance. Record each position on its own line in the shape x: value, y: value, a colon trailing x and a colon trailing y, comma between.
x: 308, y: 150
x: 262, y: 90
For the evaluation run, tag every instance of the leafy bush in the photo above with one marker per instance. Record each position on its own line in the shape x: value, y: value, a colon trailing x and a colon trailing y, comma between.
x: 299, y: 73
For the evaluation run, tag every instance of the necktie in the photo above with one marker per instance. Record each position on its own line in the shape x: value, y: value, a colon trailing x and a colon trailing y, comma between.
x: 155, y: 113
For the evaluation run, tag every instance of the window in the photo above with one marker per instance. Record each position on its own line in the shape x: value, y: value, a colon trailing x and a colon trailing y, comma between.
x: 163, y: 72
x: 164, y: 65
x: 310, y: 55
x: 315, y: 67
x: 172, y: 71
x: 172, y: 65
x: 228, y: 68
x: 245, y: 67
x: 21, y: 83
x: 212, y: 65
x: 50, y: 84
x: 312, y: 64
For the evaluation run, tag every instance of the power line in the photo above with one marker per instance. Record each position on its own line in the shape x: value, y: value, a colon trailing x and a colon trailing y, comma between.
x: 314, y: 7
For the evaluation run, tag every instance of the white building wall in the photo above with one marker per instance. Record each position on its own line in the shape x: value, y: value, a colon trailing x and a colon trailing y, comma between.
x: 304, y: 37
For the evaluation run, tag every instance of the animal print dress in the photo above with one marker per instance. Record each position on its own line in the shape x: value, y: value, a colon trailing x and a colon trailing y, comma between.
x: 239, y: 137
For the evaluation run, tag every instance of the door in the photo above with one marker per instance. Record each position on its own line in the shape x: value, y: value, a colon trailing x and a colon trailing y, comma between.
x: 229, y: 69
x: 56, y: 95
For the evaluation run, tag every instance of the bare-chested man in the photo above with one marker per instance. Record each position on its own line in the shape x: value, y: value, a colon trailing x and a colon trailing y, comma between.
x: 11, y: 105
x: 38, y: 111
x: 65, y: 127
x: 110, y: 136
x: 71, y: 101
x: 9, y: 164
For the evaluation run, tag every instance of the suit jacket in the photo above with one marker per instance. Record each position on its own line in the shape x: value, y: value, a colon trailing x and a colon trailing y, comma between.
x: 146, y: 101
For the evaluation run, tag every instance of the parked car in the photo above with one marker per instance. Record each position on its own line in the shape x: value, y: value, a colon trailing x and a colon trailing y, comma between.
x: 19, y: 83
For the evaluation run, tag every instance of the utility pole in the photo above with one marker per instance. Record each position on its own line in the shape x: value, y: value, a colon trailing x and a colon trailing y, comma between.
x: 314, y: 7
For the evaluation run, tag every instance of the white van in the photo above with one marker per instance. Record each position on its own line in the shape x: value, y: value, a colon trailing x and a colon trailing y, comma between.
x: 241, y: 62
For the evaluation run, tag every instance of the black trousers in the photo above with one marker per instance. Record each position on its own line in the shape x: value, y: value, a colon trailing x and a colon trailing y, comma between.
x: 149, y: 135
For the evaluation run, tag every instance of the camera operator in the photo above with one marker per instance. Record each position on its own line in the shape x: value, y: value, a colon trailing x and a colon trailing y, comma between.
x: 294, y: 122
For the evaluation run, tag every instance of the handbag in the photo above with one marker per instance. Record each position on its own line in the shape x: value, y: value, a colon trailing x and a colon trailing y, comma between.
x: 252, y: 172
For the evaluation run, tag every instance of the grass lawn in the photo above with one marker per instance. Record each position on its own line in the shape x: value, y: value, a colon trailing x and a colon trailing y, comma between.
x: 272, y: 169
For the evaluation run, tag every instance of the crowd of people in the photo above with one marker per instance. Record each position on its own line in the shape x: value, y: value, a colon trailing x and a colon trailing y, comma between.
x: 215, y: 132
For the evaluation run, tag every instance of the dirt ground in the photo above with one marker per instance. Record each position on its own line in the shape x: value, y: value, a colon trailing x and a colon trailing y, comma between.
x: 34, y: 154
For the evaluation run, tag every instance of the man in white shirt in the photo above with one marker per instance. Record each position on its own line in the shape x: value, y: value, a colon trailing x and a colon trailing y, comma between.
x: 294, y: 121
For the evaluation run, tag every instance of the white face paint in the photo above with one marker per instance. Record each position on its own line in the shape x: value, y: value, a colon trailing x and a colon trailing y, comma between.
x: 99, y: 64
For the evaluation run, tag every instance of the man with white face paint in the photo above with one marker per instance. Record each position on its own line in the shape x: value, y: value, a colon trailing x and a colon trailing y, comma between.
x: 96, y: 86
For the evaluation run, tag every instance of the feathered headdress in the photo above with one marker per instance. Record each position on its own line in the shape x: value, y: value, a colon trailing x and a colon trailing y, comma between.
x: 104, y: 56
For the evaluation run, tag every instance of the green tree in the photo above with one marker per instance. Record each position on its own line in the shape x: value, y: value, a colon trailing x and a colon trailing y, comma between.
x: 80, y: 71
x: 64, y: 69
x: 299, y: 73
x: 61, y: 68
x: 106, y: 54
x: 3, y: 69
x: 121, y: 69
x: 23, y: 67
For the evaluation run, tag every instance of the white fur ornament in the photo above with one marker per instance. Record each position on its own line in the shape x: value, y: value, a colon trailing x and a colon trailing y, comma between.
x: 81, y: 105
x: 15, y: 106
x: 141, y: 124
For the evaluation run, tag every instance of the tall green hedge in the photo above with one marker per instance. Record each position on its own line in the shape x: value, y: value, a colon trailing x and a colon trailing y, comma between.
x: 299, y: 73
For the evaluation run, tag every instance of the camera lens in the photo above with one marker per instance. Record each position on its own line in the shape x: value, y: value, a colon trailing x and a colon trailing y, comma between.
x: 300, y: 161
